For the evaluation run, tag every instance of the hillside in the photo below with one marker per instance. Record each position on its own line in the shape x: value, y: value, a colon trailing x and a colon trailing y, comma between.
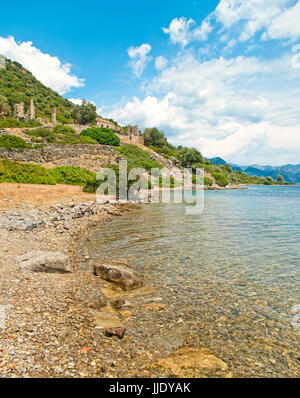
x: 17, y: 84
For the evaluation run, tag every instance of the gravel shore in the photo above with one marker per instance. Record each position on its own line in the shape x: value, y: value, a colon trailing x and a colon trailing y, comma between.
x: 76, y: 324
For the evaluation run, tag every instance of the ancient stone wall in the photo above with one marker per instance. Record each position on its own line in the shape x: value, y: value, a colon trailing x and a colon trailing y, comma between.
x: 89, y: 156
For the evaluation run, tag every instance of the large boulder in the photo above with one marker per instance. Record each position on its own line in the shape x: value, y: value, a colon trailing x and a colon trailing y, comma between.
x: 121, y: 274
x: 45, y: 261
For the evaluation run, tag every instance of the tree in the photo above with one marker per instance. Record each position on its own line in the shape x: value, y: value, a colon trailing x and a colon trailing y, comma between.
x: 280, y: 179
x: 190, y: 156
x: 269, y: 181
x: 228, y: 167
x: 154, y: 137
x: 4, y: 106
x: 85, y: 113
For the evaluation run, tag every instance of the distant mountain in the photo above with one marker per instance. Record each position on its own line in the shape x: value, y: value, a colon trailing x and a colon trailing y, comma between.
x: 290, y: 172
x: 218, y: 161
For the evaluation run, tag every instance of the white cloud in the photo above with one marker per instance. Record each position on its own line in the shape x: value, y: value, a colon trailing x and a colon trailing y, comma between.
x: 202, y: 31
x: 78, y: 101
x: 46, y: 68
x: 276, y: 19
x: 244, y: 109
x: 285, y: 25
x: 139, y: 58
x: 179, y: 30
x: 161, y: 62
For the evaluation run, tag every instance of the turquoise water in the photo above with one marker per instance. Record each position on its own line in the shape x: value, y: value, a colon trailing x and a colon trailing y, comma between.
x: 231, y: 273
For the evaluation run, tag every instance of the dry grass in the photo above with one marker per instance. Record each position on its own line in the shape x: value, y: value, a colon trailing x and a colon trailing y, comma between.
x: 40, y: 195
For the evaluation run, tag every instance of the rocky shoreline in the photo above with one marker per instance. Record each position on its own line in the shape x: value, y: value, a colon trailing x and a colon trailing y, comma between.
x: 83, y: 323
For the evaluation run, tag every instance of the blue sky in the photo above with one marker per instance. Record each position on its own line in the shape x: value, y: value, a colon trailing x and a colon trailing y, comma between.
x: 222, y: 75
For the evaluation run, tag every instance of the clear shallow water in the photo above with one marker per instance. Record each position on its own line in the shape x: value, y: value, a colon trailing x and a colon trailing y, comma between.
x: 232, y: 273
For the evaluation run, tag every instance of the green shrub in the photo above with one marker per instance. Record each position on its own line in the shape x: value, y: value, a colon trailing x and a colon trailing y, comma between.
x: 137, y: 157
x: 61, y: 129
x: 24, y: 173
x: 61, y: 135
x: 72, y: 175
x: 208, y: 181
x: 102, y: 135
x: 11, y: 122
x: 221, y: 180
x: 11, y: 141
x: 92, y: 183
x: 41, y: 135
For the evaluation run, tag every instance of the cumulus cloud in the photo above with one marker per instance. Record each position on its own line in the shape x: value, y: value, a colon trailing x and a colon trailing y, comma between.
x: 201, y: 32
x: 285, y: 25
x: 160, y: 62
x: 139, y: 58
x: 242, y: 108
x: 276, y: 19
x: 181, y: 32
x: 46, y: 68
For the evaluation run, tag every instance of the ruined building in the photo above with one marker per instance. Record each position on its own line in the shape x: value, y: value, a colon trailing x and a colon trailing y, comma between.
x: 19, y: 111
x: 106, y: 123
x: 134, y: 135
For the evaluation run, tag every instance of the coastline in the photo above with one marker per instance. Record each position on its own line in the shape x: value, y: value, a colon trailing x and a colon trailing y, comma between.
x: 51, y: 326
x: 78, y: 324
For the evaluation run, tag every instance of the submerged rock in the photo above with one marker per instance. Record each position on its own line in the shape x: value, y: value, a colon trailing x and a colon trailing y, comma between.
x: 45, y: 261
x: 121, y: 274
x: 107, y: 319
x: 192, y: 362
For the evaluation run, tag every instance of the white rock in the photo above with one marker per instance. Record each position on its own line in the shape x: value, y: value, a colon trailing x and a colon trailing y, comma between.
x: 44, y: 261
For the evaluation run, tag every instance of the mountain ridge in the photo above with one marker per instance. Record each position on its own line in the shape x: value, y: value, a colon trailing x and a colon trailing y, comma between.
x: 290, y: 172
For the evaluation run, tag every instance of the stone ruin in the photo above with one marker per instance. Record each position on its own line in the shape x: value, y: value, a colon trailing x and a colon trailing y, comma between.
x: 31, y: 110
x: 20, y: 114
x: 19, y: 111
x: 54, y: 116
x: 134, y: 135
